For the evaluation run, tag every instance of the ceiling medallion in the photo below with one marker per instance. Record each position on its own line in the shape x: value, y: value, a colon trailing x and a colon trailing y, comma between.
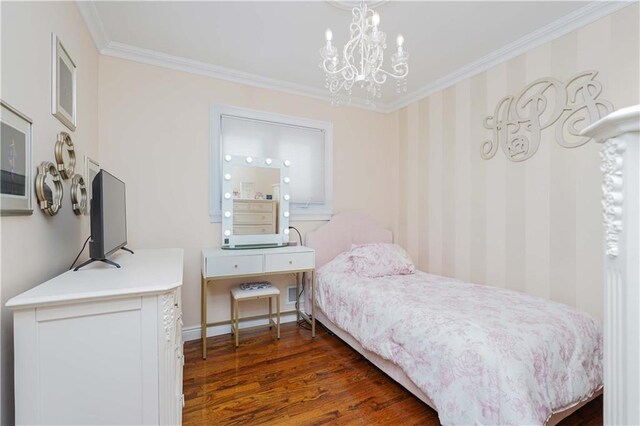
x: 350, y: 4
x: 362, y: 59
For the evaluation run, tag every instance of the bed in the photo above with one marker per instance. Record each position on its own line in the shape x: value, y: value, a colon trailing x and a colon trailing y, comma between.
x: 476, y: 354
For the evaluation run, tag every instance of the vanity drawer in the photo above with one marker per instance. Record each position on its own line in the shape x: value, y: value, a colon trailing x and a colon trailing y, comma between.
x: 253, y: 206
x: 234, y: 265
x: 254, y: 229
x: 288, y: 261
x: 253, y: 218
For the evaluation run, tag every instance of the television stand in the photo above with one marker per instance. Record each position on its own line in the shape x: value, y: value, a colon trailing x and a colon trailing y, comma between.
x: 110, y: 262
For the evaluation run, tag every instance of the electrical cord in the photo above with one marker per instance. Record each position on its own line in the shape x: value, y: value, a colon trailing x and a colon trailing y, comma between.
x: 299, y: 235
x: 301, y: 323
x: 81, y: 250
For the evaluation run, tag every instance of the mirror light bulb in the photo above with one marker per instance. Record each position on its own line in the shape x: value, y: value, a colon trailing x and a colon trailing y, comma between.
x: 227, y: 214
x: 286, y: 214
x: 227, y: 196
x: 287, y: 180
x: 328, y: 34
x: 227, y: 157
x: 249, y: 160
x: 400, y: 40
x: 227, y: 233
x: 286, y: 231
x: 227, y: 176
x: 375, y: 19
x: 286, y: 197
x: 268, y: 161
x: 287, y: 163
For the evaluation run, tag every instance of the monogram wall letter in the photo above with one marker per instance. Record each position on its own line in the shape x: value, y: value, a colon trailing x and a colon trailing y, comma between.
x: 518, y: 121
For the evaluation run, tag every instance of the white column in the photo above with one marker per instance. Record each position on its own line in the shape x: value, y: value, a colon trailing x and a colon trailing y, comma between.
x: 620, y: 133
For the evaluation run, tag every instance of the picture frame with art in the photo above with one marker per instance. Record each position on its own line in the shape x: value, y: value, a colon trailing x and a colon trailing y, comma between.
x: 63, y: 84
x: 16, y: 164
x: 91, y: 169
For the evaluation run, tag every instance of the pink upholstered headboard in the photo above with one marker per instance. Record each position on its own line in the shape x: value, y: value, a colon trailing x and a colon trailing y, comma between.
x: 343, y: 230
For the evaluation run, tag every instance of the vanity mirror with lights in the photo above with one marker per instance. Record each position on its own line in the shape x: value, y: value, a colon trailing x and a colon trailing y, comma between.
x: 255, y: 202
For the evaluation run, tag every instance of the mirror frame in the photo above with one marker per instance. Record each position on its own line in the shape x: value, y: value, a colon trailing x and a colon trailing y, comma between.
x: 78, y: 195
x: 63, y: 143
x: 48, y: 168
x: 242, y: 241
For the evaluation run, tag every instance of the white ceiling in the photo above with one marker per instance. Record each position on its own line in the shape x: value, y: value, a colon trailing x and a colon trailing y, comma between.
x: 276, y: 44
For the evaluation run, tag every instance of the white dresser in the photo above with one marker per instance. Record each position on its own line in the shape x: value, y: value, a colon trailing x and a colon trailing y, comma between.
x: 102, y: 345
x: 219, y: 264
x: 254, y: 217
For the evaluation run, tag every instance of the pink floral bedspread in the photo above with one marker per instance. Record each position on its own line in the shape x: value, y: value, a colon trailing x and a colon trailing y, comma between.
x: 483, y: 355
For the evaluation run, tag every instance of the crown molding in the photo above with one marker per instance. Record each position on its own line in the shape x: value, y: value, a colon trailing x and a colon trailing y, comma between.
x: 91, y: 17
x: 554, y: 30
x: 583, y: 16
x: 179, y: 63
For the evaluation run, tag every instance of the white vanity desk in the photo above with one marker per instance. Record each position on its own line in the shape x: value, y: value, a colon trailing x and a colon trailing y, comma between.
x: 219, y: 264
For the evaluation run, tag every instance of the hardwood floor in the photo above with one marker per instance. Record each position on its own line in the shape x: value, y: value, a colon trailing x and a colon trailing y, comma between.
x: 302, y: 381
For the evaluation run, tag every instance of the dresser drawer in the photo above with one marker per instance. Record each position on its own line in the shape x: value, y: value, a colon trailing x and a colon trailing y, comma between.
x: 253, y: 218
x: 234, y: 265
x: 254, y: 229
x: 289, y: 261
x: 253, y: 206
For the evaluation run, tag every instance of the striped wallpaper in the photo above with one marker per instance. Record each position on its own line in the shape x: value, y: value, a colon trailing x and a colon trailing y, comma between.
x: 533, y: 226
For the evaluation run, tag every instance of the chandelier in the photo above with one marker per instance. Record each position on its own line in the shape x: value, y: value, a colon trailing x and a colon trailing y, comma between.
x: 362, y: 59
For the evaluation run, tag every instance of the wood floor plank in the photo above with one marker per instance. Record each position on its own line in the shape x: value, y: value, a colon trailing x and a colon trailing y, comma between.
x: 302, y: 381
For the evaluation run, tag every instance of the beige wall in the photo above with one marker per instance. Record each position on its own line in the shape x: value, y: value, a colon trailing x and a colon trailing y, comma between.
x: 533, y: 226
x: 155, y: 135
x: 36, y: 248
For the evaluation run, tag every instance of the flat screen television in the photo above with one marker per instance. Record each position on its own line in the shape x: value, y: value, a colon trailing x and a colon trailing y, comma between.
x: 108, y: 218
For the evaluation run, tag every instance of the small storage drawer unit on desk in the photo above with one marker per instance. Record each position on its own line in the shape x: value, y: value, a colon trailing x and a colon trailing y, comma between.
x: 251, y: 217
x: 102, y: 345
x: 218, y: 264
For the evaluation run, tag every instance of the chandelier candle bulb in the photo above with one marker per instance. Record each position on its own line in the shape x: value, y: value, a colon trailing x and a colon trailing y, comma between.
x: 400, y: 41
x: 328, y: 35
x: 375, y: 19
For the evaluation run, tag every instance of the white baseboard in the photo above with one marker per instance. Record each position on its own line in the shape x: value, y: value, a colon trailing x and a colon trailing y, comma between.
x: 193, y: 333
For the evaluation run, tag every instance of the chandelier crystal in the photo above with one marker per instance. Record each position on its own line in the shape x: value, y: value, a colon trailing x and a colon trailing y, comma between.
x: 362, y: 59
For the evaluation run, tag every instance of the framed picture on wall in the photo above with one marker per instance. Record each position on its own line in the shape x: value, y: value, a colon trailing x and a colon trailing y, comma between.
x: 91, y: 169
x: 16, y: 167
x: 63, y: 84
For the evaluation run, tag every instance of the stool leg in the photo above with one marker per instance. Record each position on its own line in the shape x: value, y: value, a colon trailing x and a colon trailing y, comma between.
x: 235, y: 305
x: 231, y: 313
x: 278, y: 314
x: 270, y: 300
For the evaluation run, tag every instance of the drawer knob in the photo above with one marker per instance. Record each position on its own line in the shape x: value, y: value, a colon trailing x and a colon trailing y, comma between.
x: 235, y: 266
x: 291, y: 262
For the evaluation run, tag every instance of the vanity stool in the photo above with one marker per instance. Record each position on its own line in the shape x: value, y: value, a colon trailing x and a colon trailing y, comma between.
x: 253, y: 291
